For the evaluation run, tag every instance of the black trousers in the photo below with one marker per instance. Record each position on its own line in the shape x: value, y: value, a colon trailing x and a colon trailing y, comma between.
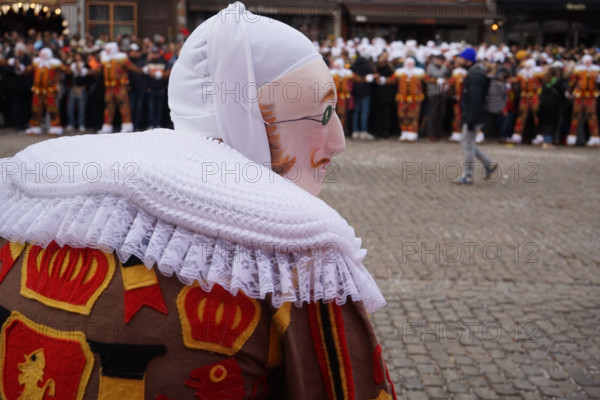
x: 435, y: 116
x: 385, y: 116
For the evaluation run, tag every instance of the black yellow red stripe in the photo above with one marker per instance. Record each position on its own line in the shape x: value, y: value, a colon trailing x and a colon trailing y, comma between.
x: 329, y: 341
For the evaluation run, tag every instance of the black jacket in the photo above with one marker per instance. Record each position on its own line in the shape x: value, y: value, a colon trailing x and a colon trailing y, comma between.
x: 137, y: 80
x: 385, y: 93
x: 362, y: 68
x: 475, y: 88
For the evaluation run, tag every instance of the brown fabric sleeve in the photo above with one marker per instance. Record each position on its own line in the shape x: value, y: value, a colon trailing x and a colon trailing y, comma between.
x: 303, y: 377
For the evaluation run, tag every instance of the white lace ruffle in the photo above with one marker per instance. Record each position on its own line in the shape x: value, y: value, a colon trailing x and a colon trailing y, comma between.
x: 263, y: 239
x: 113, y: 224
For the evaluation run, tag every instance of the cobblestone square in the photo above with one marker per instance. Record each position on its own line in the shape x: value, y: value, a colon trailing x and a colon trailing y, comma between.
x: 492, y: 289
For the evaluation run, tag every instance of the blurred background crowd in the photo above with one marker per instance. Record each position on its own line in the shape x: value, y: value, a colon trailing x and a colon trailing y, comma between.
x: 81, y: 85
x: 544, y: 95
x: 532, y: 90
x: 109, y: 79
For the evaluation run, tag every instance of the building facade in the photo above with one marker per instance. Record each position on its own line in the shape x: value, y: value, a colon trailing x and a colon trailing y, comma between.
x: 563, y: 22
x: 317, y: 19
x: 441, y: 20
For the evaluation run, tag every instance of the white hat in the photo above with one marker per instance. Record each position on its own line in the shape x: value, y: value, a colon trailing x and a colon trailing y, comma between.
x: 213, y: 87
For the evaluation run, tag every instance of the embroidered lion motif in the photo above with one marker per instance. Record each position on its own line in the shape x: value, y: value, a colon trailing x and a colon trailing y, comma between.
x: 31, y: 373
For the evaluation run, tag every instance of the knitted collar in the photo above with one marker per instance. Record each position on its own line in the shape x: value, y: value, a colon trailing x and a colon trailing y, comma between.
x: 189, y: 206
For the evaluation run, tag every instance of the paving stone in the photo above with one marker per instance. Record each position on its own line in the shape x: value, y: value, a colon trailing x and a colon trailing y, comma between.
x: 557, y: 374
x: 464, y: 396
x: 428, y: 368
x: 469, y: 370
x: 416, y: 396
x: 432, y: 380
x: 540, y: 381
x: 437, y: 393
x: 551, y: 391
x: 593, y: 392
x: 504, y: 389
x: 416, y: 349
x: 462, y: 360
x: 531, y: 396
x: 522, y: 384
x: 568, y: 387
x: 457, y: 387
x: 450, y: 375
x: 531, y: 370
x: 412, y: 383
x: 496, y: 378
x: 584, y: 379
x: 476, y: 381
x: 488, y: 368
x: 485, y: 393
x: 577, y: 396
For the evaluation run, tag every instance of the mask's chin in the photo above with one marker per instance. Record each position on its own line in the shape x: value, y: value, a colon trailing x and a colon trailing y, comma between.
x: 309, y: 184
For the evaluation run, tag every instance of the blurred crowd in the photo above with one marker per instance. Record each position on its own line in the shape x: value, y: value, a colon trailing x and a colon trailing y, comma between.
x: 84, y: 83
x: 540, y: 95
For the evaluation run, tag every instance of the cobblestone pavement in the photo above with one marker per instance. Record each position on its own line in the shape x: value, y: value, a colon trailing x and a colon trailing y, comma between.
x: 493, y: 289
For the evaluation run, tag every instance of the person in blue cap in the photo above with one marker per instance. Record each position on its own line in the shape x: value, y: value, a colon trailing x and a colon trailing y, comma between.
x: 473, y: 101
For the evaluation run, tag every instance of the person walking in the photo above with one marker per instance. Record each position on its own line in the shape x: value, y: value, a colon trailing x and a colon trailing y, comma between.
x: 473, y: 113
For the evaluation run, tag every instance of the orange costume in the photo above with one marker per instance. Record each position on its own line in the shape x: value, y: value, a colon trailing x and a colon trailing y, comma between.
x: 584, y: 86
x: 114, y: 67
x: 410, y: 97
x: 47, y: 72
x: 456, y: 85
x: 342, y: 76
x: 530, y: 81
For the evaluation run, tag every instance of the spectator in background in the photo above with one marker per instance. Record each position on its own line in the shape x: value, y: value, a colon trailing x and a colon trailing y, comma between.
x: 384, y: 95
x: 156, y: 68
x: 436, y: 103
x: 4, y: 118
x: 78, y: 92
x: 137, y: 86
x: 19, y: 87
x: 550, y: 109
x: 363, y: 76
x: 510, y: 109
x: 496, y: 102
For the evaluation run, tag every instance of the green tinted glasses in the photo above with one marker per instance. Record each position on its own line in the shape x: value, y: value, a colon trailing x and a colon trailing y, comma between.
x: 325, y: 117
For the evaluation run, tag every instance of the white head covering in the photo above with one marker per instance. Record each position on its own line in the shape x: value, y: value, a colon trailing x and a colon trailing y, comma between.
x: 530, y: 63
x: 45, y: 54
x: 213, y: 85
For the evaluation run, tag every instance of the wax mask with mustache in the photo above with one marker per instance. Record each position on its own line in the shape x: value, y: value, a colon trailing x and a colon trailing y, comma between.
x: 303, y: 128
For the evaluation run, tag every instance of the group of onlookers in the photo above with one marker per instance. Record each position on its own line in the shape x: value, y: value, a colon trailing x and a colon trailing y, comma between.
x: 540, y: 95
x: 543, y: 95
x: 81, y: 84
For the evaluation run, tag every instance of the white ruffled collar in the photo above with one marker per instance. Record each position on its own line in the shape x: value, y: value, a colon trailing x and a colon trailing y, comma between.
x: 189, y: 205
